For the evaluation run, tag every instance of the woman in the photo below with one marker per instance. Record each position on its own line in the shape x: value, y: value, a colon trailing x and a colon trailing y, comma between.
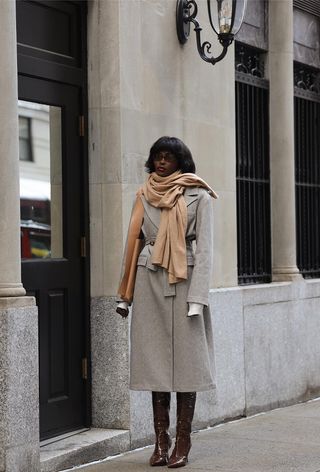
x: 171, y: 333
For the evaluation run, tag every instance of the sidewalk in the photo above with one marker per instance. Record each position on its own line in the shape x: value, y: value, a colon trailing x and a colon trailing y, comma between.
x: 282, y: 440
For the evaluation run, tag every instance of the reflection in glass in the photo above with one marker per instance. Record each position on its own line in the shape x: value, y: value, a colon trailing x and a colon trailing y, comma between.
x: 25, y: 147
x: 40, y: 180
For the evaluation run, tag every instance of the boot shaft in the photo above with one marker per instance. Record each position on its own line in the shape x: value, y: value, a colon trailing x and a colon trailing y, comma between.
x: 185, y: 410
x: 161, y: 418
x: 161, y: 410
x: 186, y: 402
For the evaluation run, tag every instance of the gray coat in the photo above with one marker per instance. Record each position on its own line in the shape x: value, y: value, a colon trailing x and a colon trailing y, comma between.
x: 170, y: 351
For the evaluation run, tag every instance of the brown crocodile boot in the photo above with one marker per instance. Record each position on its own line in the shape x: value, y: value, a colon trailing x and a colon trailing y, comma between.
x: 161, y: 409
x: 185, y: 409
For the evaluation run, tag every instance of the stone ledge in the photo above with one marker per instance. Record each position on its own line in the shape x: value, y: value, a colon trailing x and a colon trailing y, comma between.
x: 82, y: 448
x: 16, y: 302
x: 269, y: 293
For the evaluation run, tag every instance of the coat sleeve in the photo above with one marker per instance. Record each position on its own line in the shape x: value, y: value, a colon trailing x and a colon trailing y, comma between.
x: 201, y: 274
x: 130, y: 255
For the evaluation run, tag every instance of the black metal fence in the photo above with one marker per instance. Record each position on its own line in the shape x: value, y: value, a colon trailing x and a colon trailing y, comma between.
x: 253, y: 174
x: 307, y: 169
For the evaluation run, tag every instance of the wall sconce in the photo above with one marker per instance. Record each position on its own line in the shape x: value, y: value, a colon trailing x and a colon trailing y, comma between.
x: 225, y: 16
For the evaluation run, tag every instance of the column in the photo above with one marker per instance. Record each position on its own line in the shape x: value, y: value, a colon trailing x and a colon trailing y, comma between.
x: 19, y: 384
x: 109, y: 335
x: 10, y: 278
x: 283, y: 217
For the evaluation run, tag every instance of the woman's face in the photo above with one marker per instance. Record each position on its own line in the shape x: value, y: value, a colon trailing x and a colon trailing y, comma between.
x: 165, y: 163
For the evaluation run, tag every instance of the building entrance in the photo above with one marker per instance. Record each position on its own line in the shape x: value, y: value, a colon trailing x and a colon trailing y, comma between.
x: 53, y: 198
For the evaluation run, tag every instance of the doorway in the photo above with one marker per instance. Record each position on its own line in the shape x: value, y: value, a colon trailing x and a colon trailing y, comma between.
x: 54, y: 203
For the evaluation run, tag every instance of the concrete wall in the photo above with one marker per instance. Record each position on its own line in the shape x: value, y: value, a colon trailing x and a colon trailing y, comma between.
x: 139, y: 90
x: 142, y: 85
x: 19, y: 385
x: 267, y: 354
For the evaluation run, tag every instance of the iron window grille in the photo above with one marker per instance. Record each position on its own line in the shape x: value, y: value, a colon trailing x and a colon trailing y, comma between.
x: 307, y: 168
x: 309, y: 6
x: 253, y: 170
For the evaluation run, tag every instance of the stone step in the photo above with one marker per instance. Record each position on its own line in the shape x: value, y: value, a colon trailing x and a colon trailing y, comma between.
x: 87, y: 446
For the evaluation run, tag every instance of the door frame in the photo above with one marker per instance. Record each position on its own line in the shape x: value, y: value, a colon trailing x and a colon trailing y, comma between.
x: 50, y: 70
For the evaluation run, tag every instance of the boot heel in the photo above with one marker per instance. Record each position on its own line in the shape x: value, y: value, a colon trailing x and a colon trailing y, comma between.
x: 160, y: 454
x: 179, y: 460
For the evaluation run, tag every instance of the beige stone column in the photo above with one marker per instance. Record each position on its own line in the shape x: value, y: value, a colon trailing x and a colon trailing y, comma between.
x: 10, y: 278
x: 19, y: 385
x: 282, y: 141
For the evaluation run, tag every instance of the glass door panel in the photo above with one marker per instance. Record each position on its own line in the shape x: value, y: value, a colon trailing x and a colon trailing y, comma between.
x: 41, y: 190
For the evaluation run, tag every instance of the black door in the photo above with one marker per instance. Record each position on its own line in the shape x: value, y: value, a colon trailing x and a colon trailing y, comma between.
x: 53, y: 195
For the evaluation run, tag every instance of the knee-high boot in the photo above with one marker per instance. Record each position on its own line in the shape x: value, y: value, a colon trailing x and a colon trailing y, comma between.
x: 161, y: 409
x: 185, y: 409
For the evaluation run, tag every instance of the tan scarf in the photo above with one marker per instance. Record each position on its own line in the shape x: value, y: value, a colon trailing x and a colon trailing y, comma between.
x: 169, y: 250
x: 170, y: 246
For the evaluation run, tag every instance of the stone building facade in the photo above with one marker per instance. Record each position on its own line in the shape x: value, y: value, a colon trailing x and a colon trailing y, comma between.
x: 142, y: 84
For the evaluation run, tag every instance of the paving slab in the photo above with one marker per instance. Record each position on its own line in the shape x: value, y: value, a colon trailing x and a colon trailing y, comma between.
x: 282, y: 440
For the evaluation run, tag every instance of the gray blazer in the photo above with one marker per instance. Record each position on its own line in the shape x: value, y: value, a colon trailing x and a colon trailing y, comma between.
x: 199, y: 238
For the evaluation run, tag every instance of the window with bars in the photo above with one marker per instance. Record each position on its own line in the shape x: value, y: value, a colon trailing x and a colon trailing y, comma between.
x: 253, y: 174
x: 307, y: 169
x: 309, y: 6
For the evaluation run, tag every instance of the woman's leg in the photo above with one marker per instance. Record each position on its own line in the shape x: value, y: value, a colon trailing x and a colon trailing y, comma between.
x: 185, y: 409
x: 161, y: 410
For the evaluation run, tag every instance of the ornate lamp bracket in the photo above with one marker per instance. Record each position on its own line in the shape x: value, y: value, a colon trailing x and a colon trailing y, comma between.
x: 186, y: 13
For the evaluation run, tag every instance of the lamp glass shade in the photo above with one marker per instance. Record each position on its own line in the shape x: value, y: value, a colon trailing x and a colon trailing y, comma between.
x: 226, y: 16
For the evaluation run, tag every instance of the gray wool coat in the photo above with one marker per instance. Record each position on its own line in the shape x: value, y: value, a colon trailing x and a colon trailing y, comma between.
x: 170, y: 351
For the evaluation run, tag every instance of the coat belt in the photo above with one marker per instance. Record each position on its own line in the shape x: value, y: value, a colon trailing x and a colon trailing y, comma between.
x: 151, y: 241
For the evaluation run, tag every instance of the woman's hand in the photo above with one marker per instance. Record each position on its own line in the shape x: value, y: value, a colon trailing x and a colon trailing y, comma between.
x: 123, y: 309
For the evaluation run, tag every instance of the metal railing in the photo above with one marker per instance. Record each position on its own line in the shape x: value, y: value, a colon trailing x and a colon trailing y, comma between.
x: 253, y: 173
x: 307, y: 169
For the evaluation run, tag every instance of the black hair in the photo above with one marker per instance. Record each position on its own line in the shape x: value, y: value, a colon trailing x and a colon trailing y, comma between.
x: 176, y: 147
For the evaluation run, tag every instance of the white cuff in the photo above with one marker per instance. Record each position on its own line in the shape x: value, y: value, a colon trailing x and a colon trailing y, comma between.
x: 123, y: 305
x: 195, y: 309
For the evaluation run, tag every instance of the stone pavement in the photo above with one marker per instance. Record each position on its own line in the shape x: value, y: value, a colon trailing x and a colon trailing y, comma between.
x: 282, y: 440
